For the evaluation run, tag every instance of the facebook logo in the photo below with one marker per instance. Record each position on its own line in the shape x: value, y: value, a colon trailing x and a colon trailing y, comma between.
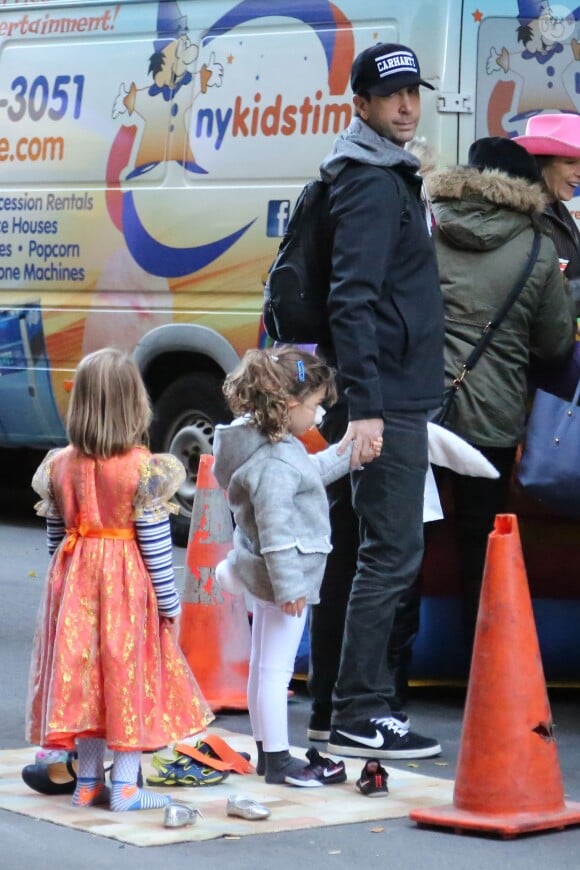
x: 278, y: 215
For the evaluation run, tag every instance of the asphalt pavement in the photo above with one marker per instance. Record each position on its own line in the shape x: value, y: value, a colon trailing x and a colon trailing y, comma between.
x: 435, y: 711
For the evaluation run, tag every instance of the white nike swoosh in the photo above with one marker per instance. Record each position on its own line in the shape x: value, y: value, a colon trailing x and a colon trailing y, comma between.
x: 373, y: 742
x: 328, y: 773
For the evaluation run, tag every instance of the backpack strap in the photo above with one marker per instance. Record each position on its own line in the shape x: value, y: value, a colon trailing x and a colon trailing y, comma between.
x: 402, y: 188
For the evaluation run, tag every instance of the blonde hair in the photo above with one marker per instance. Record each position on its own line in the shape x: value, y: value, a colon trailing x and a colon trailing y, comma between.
x: 266, y: 380
x: 425, y: 153
x: 109, y: 411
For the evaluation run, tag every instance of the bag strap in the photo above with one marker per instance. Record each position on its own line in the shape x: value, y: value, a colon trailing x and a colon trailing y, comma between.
x: 491, y: 327
x: 576, y: 397
x: 402, y: 189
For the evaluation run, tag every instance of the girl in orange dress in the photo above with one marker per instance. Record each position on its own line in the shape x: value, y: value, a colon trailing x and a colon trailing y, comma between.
x: 106, y: 668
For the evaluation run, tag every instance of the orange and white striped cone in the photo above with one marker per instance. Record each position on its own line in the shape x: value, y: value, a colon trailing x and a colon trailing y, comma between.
x: 215, y: 631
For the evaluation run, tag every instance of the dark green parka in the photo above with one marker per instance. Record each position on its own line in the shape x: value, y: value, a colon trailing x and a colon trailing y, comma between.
x: 485, y: 231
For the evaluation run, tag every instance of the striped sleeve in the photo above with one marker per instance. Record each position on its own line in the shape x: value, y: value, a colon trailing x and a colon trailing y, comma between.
x: 154, y: 539
x: 55, y: 532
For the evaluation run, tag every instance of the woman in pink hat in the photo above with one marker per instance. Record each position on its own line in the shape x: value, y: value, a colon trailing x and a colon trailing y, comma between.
x: 487, y: 215
x: 554, y: 140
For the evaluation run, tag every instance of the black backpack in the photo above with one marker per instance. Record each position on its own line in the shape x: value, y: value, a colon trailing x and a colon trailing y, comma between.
x: 296, y: 292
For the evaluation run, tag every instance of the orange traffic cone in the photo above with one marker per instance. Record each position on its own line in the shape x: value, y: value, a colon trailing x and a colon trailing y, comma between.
x: 313, y: 440
x: 215, y: 632
x: 508, y: 776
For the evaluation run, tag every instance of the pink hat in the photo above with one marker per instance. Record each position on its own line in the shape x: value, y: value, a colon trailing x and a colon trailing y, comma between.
x: 552, y: 135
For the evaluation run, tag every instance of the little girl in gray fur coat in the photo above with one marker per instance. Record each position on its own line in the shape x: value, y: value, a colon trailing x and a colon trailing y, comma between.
x: 276, y: 491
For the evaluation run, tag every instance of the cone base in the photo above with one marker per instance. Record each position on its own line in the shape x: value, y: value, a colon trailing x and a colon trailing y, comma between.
x: 229, y: 702
x: 508, y: 825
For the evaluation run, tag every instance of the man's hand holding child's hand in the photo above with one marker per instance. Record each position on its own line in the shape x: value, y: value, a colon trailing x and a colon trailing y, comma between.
x: 367, y: 438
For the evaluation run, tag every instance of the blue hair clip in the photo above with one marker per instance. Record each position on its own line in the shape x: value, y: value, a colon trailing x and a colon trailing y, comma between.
x: 301, y: 371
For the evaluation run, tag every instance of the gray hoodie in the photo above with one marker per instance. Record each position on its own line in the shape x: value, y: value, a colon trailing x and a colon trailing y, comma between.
x: 276, y: 493
x: 361, y: 144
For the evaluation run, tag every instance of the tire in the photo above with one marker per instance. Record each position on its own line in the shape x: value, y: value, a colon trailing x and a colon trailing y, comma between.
x: 185, y: 416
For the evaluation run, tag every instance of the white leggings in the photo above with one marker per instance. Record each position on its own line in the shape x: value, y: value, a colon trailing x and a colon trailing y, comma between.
x: 275, y: 641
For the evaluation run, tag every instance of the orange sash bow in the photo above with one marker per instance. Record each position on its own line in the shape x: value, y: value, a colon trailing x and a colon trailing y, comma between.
x: 85, y: 531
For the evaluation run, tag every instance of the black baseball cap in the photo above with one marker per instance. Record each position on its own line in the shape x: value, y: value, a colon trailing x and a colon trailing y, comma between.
x: 385, y: 68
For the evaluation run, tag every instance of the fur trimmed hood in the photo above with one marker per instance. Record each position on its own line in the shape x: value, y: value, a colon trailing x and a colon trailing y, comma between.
x: 497, y: 188
x: 483, y: 210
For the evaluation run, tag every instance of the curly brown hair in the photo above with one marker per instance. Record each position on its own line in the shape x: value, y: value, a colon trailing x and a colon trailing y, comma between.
x: 265, y: 380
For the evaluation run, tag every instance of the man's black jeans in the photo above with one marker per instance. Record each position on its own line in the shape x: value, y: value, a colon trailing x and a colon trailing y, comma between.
x: 388, y: 499
x: 327, y: 618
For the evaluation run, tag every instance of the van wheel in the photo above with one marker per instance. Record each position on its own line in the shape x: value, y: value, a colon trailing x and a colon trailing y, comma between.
x: 185, y: 416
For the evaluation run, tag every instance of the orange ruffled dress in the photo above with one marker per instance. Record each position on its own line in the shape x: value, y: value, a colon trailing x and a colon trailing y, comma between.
x: 102, y: 665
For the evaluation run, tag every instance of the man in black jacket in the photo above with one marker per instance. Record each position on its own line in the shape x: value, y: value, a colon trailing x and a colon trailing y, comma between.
x: 386, y: 319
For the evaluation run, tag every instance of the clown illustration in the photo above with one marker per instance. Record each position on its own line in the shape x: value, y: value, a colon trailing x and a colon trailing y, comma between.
x: 547, y: 68
x: 166, y: 104
x: 152, y: 142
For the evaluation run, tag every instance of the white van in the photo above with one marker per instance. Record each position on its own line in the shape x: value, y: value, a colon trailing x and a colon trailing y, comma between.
x: 150, y: 155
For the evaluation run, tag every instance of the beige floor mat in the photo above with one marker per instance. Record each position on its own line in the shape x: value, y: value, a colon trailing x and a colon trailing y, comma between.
x: 291, y: 808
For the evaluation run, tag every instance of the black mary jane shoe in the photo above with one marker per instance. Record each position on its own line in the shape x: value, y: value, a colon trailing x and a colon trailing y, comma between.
x: 57, y: 777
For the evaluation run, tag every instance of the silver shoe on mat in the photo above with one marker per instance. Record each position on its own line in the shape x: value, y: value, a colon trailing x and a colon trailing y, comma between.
x: 246, y: 808
x: 178, y: 815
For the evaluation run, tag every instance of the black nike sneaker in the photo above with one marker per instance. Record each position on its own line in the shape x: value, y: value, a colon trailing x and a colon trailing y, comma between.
x: 373, y: 779
x: 386, y: 737
x: 319, y: 725
x: 320, y: 771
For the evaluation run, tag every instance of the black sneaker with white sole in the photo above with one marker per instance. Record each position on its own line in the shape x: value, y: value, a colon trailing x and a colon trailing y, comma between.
x: 319, y: 724
x: 385, y: 737
x: 373, y: 779
x: 320, y: 771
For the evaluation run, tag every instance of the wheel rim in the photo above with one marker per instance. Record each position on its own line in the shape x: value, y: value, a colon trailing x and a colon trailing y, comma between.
x: 187, y: 445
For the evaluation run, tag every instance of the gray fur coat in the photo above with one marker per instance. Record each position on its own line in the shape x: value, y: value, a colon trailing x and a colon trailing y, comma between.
x: 276, y: 491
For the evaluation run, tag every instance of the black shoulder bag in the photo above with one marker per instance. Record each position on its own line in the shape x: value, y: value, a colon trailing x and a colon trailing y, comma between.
x: 487, y: 335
